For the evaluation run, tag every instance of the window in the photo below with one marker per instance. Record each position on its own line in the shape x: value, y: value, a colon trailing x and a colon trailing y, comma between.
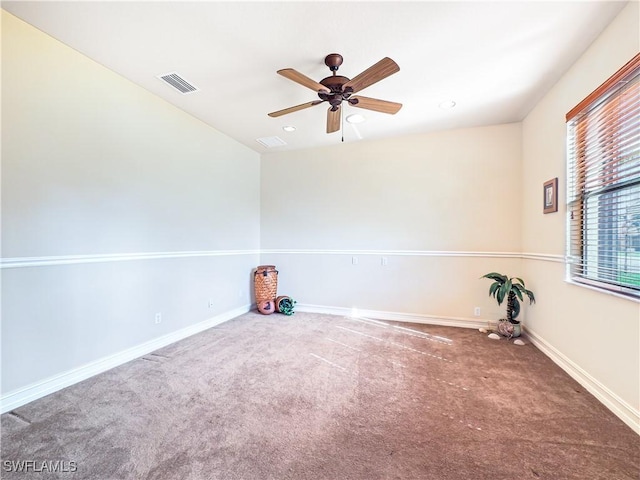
x: 603, y: 185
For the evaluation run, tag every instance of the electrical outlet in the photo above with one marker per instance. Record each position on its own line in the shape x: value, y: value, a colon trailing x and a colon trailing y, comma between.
x: 211, y: 303
x: 476, y: 311
x: 354, y: 260
x: 158, y: 317
x: 384, y: 261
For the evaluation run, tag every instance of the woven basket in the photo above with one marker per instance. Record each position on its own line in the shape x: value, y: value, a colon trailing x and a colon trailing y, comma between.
x: 265, y: 282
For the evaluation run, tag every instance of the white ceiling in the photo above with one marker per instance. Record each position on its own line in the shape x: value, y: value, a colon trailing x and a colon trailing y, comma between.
x: 495, y: 59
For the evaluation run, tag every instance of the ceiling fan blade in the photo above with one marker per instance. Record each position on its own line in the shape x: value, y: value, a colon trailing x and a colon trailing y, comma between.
x: 333, y: 120
x: 375, y: 104
x: 371, y: 75
x: 303, y: 80
x: 294, y: 109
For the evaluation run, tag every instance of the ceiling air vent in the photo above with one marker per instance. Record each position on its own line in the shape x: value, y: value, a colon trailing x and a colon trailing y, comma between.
x: 179, y: 83
x: 270, y: 142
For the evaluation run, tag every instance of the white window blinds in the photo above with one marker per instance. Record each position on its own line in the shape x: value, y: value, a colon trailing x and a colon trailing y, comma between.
x: 603, y: 184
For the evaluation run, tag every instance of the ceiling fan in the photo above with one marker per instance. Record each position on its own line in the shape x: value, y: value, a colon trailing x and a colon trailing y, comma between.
x: 336, y: 89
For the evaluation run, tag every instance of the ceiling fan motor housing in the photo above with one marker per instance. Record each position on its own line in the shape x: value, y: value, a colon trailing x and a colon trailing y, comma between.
x: 336, y: 95
x: 334, y: 83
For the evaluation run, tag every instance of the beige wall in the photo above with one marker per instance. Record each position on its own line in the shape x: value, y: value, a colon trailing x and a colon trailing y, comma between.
x: 598, y: 333
x: 434, y: 205
x: 94, y: 166
x: 453, y: 190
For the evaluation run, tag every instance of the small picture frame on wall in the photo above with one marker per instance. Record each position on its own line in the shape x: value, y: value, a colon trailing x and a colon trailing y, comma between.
x: 550, y: 196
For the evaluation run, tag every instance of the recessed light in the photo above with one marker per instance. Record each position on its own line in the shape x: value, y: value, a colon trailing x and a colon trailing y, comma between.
x: 355, y: 118
x: 447, y: 104
x: 289, y: 128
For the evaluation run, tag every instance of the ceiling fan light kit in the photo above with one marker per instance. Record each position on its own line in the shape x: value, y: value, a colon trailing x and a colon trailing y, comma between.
x: 336, y: 89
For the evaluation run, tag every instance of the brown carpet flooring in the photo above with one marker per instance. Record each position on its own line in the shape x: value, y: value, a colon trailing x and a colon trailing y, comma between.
x: 325, y: 397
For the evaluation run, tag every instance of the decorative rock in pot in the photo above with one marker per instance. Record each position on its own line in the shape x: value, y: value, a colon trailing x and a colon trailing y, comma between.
x: 509, y: 329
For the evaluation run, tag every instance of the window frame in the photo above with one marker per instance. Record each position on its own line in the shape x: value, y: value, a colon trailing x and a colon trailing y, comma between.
x: 606, y: 97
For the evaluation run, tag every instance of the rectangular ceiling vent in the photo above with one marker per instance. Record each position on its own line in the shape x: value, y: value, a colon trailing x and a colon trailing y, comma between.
x: 179, y: 83
x: 271, y: 142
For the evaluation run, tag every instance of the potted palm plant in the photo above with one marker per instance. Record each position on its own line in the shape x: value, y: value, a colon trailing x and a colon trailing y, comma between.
x: 513, y: 290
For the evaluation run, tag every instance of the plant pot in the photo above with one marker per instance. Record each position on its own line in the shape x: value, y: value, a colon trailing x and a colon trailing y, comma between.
x: 508, y: 329
x: 279, y: 299
x: 285, y: 305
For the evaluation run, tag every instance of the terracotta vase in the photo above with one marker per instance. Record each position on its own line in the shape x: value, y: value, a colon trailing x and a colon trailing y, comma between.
x: 266, y: 307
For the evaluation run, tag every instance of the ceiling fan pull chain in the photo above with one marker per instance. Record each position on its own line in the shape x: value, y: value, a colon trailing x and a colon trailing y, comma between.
x: 342, y: 122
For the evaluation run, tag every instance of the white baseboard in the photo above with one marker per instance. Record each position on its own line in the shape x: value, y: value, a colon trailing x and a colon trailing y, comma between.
x: 396, y: 316
x: 45, y: 387
x: 619, y: 407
